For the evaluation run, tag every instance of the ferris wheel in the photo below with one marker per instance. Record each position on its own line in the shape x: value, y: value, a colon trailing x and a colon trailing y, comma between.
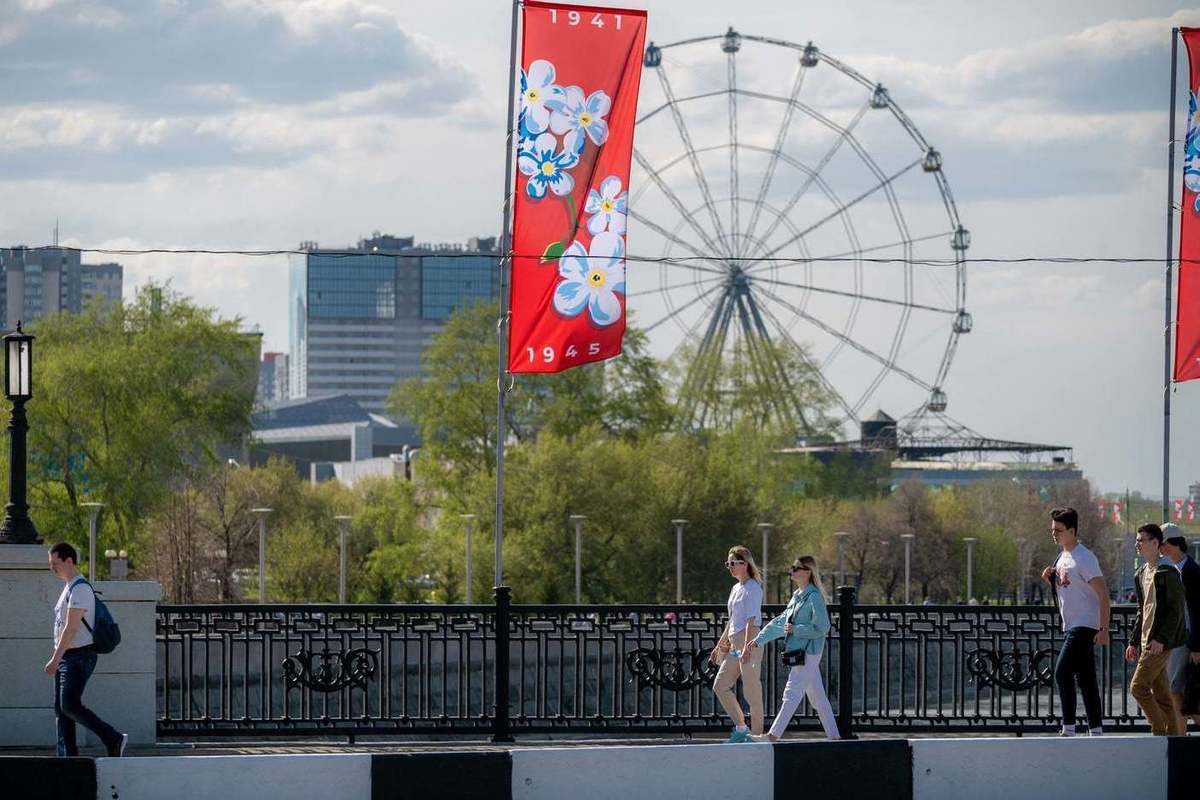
x: 791, y: 214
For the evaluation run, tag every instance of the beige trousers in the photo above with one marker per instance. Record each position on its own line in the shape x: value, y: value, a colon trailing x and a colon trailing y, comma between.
x: 725, y: 685
x: 1150, y: 687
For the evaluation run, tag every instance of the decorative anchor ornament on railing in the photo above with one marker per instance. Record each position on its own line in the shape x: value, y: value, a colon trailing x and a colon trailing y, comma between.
x: 330, y: 671
x: 1012, y: 670
x: 675, y: 670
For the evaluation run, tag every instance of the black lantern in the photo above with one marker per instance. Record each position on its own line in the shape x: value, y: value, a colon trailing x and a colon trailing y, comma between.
x: 18, y: 362
x: 17, y: 527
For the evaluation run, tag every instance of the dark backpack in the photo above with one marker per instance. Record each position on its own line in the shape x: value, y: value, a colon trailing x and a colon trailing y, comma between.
x: 107, y: 634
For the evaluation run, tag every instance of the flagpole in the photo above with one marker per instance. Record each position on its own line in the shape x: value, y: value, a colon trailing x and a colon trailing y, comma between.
x: 505, y: 268
x: 1169, y: 274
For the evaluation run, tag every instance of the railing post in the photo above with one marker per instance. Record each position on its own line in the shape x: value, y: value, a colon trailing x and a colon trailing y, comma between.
x: 500, y: 728
x: 846, y: 661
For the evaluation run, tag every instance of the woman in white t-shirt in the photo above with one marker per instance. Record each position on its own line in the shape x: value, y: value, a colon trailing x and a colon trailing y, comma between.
x: 745, y: 619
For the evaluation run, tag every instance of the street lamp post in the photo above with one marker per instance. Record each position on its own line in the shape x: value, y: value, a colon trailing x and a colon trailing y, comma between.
x: 679, y: 523
x: 908, y: 540
x: 343, y: 531
x: 17, y: 527
x: 765, y: 527
x: 970, y: 566
x: 94, y: 510
x: 262, y: 551
x: 841, y: 552
x: 1019, y: 597
x: 469, y: 522
x: 578, y: 520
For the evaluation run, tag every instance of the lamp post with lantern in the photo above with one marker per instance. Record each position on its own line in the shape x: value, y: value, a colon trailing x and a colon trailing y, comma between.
x: 17, y: 527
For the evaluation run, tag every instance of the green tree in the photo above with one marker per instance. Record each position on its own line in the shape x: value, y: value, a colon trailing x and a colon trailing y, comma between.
x: 131, y: 400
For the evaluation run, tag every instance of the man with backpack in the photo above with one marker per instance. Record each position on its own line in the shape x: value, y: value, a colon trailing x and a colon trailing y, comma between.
x: 74, y: 657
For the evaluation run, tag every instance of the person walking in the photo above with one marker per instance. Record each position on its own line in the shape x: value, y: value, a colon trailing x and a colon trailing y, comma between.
x: 1157, y: 629
x: 745, y: 618
x: 1175, y: 549
x: 804, y: 624
x: 74, y: 657
x: 1083, y: 604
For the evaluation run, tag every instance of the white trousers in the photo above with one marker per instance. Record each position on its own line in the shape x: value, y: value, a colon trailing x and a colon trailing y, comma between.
x: 805, y: 680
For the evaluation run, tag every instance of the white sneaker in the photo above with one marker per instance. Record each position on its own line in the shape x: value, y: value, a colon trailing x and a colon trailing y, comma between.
x: 762, y: 738
x: 1095, y: 731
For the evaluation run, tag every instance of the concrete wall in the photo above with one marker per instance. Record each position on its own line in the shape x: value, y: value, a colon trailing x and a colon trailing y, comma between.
x: 1004, y: 769
x: 28, y: 592
x: 121, y: 690
x: 694, y: 771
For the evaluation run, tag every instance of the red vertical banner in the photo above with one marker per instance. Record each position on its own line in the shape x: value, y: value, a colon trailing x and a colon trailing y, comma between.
x: 580, y: 71
x: 1187, y: 309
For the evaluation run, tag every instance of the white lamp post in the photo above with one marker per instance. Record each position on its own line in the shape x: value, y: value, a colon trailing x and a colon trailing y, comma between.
x: 908, y: 540
x: 343, y: 531
x: 94, y: 510
x: 841, y: 548
x: 970, y: 540
x: 469, y: 522
x: 765, y: 527
x: 578, y: 520
x: 262, y: 551
x: 679, y: 523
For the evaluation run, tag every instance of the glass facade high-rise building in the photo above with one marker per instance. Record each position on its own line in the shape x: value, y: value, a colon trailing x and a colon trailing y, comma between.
x: 360, y: 318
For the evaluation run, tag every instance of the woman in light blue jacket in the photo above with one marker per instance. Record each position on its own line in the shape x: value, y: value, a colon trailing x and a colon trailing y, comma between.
x: 805, y: 623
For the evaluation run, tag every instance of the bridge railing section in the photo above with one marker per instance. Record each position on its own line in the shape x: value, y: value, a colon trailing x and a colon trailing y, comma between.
x: 292, y: 670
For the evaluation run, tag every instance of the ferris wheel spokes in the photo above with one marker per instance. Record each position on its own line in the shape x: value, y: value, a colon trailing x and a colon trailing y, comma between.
x: 697, y: 170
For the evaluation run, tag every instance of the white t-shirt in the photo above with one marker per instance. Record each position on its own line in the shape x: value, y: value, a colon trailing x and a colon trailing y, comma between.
x: 1079, y: 603
x: 745, y: 605
x: 81, y: 596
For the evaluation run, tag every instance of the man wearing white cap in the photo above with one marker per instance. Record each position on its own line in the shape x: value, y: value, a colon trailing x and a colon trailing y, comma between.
x: 1175, y: 550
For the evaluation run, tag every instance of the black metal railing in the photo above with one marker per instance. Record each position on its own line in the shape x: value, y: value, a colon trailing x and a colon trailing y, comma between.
x: 283, y: 670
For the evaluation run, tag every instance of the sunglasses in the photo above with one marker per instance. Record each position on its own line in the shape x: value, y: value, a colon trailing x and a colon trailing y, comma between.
x: 731, y: 563
x: 799, y: 568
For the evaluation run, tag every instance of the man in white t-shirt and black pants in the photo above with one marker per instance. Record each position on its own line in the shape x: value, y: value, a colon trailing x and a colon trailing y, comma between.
x: 1083, y: 603
x: 74, y: 657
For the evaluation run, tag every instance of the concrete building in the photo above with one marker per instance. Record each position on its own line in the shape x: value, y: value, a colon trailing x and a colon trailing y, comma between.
x: 316, y: 433
x: 272, y: 379
x: 103, y: 281
x: 41, y: 281
x: 359, y: 318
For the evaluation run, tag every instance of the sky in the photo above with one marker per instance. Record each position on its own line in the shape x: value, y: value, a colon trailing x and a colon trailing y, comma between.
x: 257, y: 124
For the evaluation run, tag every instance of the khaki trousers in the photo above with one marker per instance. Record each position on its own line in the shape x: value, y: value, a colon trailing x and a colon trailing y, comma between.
x: 725, y: 684
x: 1150, y: 687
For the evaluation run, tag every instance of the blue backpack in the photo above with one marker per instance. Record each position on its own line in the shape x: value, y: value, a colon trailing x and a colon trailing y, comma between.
x: 107, y: 634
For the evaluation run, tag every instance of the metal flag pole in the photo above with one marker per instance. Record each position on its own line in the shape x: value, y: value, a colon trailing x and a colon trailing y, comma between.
x: 505, y: 268
x: 1167, y: 280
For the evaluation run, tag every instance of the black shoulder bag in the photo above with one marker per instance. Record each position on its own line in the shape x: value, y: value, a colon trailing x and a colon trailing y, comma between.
x: 794, y: 658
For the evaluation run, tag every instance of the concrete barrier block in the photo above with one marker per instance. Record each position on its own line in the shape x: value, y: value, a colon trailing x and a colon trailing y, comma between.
x: 834, y: 769
x: 441, y: 776
x: 1003, y: 769
x: 34, y: 778
x: 663, y: 771
x: 274, y: 777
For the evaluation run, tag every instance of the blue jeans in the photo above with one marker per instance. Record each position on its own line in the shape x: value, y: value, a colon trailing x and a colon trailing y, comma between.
x: 1077, y: 665
x: 69, y: 681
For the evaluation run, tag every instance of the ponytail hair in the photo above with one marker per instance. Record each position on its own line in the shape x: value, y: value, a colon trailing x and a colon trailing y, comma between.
x: 742, y: 553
